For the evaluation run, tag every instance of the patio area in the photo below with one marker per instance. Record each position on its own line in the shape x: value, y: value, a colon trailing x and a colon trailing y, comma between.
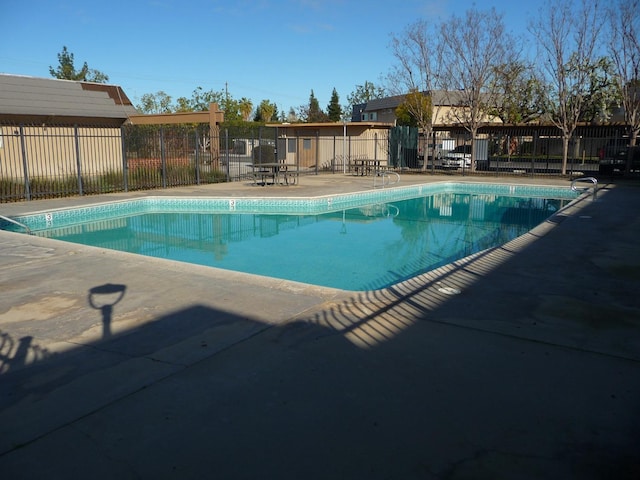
x: 119, y: 366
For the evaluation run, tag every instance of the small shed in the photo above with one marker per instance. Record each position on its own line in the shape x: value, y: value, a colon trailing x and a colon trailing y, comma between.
x: 59, y: 129
x: 48, y: 101
x: 332, y: 145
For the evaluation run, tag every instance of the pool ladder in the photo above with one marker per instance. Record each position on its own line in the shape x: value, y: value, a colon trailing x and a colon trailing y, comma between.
x: 15, y: 222
x: 593, y: 180
x: 385, y: 178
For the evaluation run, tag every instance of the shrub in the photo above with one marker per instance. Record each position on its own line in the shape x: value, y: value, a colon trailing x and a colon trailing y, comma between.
x: 264, y: 154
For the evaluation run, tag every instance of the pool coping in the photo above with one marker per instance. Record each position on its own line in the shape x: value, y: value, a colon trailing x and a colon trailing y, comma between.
x: 63, y: 216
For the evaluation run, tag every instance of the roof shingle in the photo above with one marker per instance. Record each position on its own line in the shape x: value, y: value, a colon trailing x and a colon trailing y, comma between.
x: 24, y: 98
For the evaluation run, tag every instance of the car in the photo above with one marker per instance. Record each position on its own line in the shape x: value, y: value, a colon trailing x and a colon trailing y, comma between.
x: 459, y: 157
x: 614, y: 158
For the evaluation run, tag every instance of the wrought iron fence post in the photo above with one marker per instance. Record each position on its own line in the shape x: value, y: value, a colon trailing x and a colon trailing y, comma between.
x: 433, y: 153
x: 197, y: 137
x: 163, y: 158
x: 317, y: 159
x: 534, y: 149
x: 125, y: 167
x: 375, y: 146
x: 333, y: 158
x: 226, y: 155
x: 78, y: 164
x: 25, y: 168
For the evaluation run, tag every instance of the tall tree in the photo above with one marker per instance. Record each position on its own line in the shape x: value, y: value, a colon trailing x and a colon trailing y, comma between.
x: 315, y: 113
x: 292, y: 117
x: 567, y: 35
x: 266, y: 111
x: 601, y: 93
x: 624, y: 49
x: 404, y: 117
x: 364, y: 93
x: 520, y: 93
x: 158, y: 102
x: 183, y: 104
x: 334, y: 110
x: 416, y: 75
x: 201, y: 99
x: 417, y: 106
x: 66, y: 70
x: 246, y: 107
x: 231, y: 108
x: 473, y: 55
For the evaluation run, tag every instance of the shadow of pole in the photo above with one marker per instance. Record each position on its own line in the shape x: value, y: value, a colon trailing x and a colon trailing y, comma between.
x: 104, y: 298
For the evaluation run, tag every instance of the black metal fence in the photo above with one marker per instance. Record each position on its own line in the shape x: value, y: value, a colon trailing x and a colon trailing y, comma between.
x: 56, y: 161
x: 47, y: 161
x: 537, y: 151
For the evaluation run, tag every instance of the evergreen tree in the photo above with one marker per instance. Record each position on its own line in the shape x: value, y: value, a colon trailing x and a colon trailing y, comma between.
x: 66, y: 70
x: 265, y: 111
x: 246, y: 107
x: 315, y: 113
x: 365, y: 93
x: 334, y: 110
x: 292, y: 116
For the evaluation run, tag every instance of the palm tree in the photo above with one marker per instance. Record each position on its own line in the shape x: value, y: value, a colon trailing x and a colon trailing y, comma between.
x: 246, y: 107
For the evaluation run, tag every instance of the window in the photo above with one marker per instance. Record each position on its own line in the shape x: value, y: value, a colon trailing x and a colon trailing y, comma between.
x: 306, y: 144
x: 291, y: 145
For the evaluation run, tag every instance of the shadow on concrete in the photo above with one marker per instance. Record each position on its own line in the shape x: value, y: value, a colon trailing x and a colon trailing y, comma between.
x: 104, y: 298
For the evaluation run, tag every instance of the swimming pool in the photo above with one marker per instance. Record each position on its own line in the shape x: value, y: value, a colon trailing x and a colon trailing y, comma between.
x: 362, y: 241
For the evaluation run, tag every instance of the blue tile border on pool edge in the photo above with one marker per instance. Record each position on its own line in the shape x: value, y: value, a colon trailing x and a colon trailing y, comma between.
x: 316, y: 205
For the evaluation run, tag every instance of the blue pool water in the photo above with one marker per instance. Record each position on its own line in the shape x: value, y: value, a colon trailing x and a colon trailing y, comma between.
x: 367, y: 244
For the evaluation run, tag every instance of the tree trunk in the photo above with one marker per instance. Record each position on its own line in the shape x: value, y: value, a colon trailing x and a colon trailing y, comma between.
x: 474, y: 134
x: 426, y: 138
x: 565, y: 153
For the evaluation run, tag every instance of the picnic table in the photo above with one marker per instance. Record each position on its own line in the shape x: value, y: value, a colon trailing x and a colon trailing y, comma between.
x: 366, y: 166
x: 262, y: 172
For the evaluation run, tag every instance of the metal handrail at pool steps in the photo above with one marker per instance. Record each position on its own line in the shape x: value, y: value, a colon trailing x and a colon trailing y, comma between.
x: 15, y: 222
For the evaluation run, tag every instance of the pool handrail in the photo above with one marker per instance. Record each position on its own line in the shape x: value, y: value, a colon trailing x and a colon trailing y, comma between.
x: 593, y: 180
x: 384, y: 175
x: 15, y: 222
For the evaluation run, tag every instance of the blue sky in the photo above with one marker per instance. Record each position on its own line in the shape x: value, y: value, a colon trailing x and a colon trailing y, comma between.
x: 278, y: 50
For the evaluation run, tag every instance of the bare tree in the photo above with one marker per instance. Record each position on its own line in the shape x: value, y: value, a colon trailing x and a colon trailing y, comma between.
x: 473, y: 48
x: 567, y: 36
x: 416, y: 75
x: 624, y: 47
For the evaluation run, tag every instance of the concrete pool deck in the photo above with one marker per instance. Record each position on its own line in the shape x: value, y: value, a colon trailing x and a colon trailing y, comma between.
x: 119, y: 366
